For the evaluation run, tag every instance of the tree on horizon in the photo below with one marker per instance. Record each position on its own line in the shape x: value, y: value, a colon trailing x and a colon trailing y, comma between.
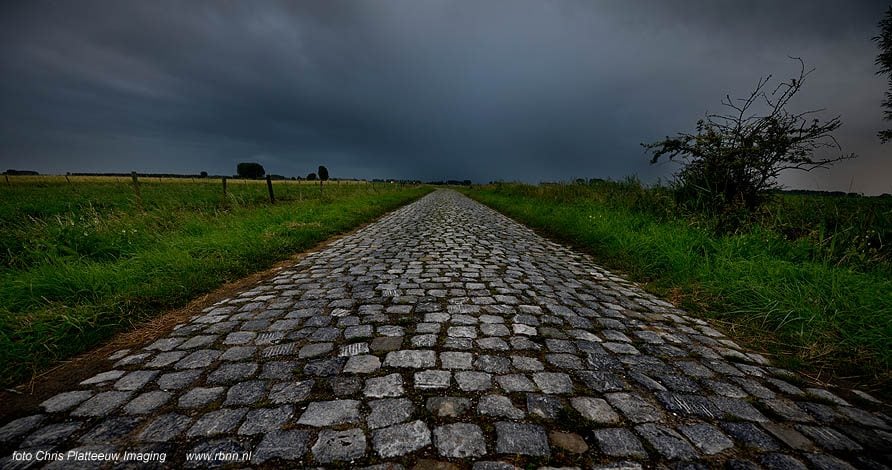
x: 323, y: 176
x: 250, y: 170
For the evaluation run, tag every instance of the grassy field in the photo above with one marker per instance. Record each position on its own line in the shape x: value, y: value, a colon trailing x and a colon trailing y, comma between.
x: 810, y: 282
x: 80, y: 261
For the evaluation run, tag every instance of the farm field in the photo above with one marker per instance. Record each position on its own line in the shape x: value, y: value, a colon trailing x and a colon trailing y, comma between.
x: 810, y: 281
x: 84, y: 259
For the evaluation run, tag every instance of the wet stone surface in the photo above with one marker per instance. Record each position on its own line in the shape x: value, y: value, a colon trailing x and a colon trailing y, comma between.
x: 445, y: 335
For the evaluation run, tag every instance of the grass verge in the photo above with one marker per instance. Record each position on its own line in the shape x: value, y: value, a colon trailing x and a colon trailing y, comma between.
x: 82, y: 262
x: 810, y: 313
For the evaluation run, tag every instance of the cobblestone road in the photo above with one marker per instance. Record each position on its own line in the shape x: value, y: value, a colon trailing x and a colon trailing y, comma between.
x: 447, y: 334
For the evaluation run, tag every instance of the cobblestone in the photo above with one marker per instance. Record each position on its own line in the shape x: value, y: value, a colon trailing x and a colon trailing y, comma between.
x: 452, y: 407
x: 101, y: 404
x: 65, y: 401
x: 524, y: 439
x: 334, y: 446
x: 447, y: 331
x: 285, y: 445
x: 110, y: 429
x: 165, y: 428
x: 459, y: 440
x: 401, y: 439
x: 265, y: 420
x: 619, y: 442
x: 328, y: 413
x: 147, y: 402
x: 19, y: 427
x: 595, y: 409
x: 498, y: 406
x: 387, y: 386
x: 217, y: 422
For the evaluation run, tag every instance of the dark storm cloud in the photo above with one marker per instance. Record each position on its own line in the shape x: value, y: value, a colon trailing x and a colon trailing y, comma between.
x: 432, y: 89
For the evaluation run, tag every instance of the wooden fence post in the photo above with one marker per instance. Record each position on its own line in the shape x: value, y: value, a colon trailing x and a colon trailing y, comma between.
x: 224, y: 188
x: 68, y: 180
x: 269, y: 187
x: 7, y: 179
x: 136, y: 189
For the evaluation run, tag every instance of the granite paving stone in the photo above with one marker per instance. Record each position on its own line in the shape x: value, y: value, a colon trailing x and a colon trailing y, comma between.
x: 387, y: 386
x: 666, y: 441
x: 217, y: 422
x: 499, y: 406
x: 328, y: 413
x: 104, y: 377
x: 264, y: 420
x: 595, y: 409
x: 51, y: 434
x: 459, y: 440
x: 65, y: 400
x: 456, y: 360
x: 452, y: 407
x: 198, y: 360
x: 110, y: 429
x: 411, y: 358
x: 165, y: 428
x: 346, y: 445
x: 568, y: 441
x: 516, y: 383
x: 288, y: 445
x: 553, y: 382
x: 634, y: 407
x: 433, y: 379
x: 473, y: 381
x: 135, y: 380
x: 232, y: 372
x: 133, y: 359
x: 165, y: 359
x: 519, y: 438
x: 444, y: 335
x: 389, y: 411
x: 706, y: 437
x: 619, y: 442
x: 101, y: 404
x: 362, y: 364
x: 544, y: 406
x: 147, y: 402
x: 401, y: 439
x: 245, y: 393
x: 20, y: 426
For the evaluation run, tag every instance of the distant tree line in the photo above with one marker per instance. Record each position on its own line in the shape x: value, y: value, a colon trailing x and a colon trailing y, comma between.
x: 203, y: 174
x: 451, y: 183
x: 246, y: 170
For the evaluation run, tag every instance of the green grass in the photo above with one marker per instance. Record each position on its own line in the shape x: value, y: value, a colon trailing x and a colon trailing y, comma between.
x: 79, y: 262
x: 819, y: 299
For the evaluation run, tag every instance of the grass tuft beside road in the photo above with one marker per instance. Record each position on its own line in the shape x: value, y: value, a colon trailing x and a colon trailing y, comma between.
x: 80, y: 262
x: 817, y: 308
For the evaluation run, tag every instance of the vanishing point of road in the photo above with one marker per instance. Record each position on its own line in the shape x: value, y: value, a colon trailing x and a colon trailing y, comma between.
x: 446, y: 335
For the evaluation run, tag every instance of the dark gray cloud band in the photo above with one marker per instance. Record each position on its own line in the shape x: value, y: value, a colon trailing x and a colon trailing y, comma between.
x: 529, y: 90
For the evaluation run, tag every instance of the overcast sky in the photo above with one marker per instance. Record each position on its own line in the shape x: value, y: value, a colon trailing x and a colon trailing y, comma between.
x: 427, y: 89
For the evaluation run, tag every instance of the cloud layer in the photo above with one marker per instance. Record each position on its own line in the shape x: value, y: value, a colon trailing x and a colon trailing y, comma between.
x: 529, y: 90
